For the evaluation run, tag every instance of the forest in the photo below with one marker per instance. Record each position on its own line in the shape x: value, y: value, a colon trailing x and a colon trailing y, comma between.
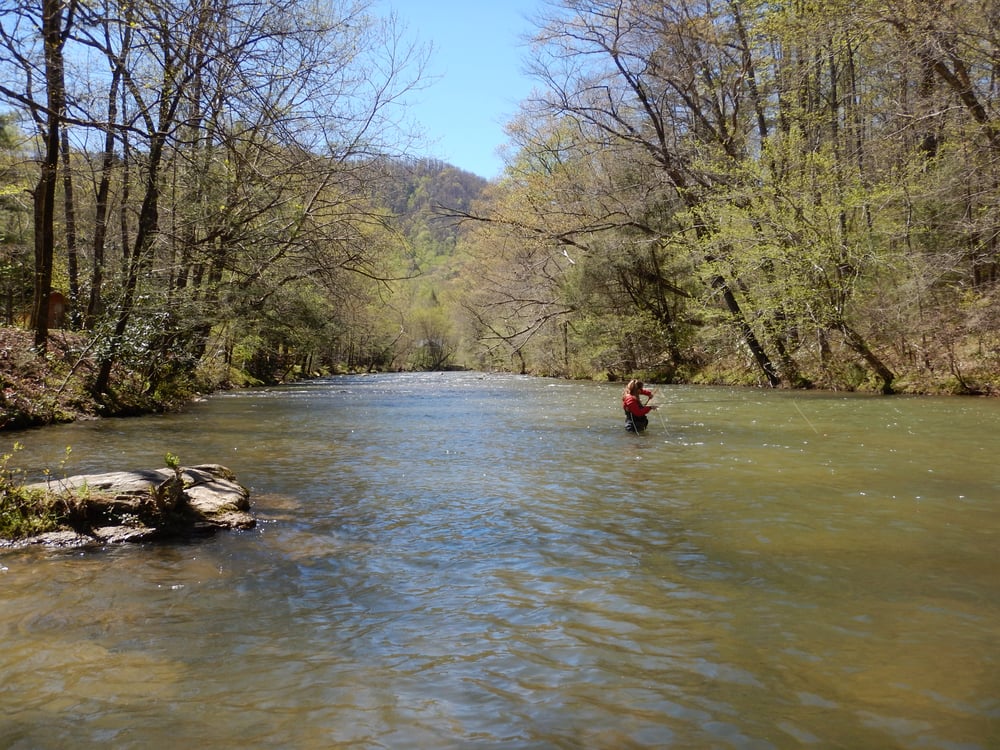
x: 200, y: 195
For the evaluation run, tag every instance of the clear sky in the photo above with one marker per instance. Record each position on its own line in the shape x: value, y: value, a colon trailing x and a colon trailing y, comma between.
x: 476, y: 65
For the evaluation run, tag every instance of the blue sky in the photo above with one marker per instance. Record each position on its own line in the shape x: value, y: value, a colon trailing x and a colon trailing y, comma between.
x: 477, y: 66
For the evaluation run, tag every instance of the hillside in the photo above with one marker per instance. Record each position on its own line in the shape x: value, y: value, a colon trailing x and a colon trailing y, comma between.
x: 420, y: 192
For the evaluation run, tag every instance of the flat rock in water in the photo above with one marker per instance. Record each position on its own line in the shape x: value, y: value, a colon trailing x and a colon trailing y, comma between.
x: 128, y: 506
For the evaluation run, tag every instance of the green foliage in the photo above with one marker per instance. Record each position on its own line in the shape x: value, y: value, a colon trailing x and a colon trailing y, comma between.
x: 422, y: 194
x: 431, y: 345
x: 710, y: 211
x: 823, y: 217
x: 23, y: 512
x: 620, y: 346
x: 16, y: 227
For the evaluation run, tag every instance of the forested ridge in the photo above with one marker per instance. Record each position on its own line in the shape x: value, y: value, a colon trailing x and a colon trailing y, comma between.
x: 201, y: 195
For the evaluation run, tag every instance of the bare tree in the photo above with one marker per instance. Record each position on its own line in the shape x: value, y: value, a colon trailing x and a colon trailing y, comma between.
x: 21, y: 31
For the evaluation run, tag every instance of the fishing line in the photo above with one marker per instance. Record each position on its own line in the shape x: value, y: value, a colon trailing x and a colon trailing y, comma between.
x: 795, y: 404
x: 663, y: 422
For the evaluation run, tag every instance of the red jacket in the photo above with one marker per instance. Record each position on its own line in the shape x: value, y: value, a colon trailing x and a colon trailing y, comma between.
x: 633, y: 405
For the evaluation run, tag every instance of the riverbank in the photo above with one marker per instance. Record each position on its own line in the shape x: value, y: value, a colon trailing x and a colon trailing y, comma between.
x: 38, y: 390
x: 42, y: 390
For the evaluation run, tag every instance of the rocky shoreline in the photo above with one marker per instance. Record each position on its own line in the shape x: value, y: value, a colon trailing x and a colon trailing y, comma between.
x: 135, y: 506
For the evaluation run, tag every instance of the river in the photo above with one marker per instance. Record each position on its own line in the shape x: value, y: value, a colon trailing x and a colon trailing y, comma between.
x: 465, y: 560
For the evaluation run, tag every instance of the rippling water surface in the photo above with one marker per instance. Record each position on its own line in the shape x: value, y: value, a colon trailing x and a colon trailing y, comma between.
x: 466, y: 560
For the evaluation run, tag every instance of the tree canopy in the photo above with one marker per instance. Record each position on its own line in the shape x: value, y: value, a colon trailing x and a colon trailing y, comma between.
x: 799, y: 194
x: 808, y: 188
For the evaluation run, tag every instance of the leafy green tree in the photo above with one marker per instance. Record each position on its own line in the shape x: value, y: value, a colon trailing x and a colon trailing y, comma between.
x: 657, y: 86
x: 238, y: 146
x: 16, y: 267
x: 755, y: 178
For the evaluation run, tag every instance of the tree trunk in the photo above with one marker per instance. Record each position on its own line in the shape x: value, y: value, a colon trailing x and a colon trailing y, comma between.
x: 857, y: 343
x: 752, y: 342
x: 45, y: 191
x: 72, y: 260
x: 148, y: 226
x: 102, y: 209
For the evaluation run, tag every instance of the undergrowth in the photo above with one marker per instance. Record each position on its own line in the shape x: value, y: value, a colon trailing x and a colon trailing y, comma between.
x: 23, y: 512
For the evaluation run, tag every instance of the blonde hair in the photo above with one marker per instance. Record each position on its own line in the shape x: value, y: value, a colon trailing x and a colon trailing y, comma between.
x: 633, y: 388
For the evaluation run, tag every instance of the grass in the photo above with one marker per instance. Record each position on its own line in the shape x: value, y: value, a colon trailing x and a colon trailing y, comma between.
x: 23, y: 512
x: 27, y: 512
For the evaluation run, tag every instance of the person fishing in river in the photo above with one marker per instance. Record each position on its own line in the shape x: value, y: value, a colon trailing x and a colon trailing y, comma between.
x: 635, y: 410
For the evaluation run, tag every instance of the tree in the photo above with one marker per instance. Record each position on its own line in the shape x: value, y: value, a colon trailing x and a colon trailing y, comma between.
x: 238, y: 143
x: 812, y: 184
x: 16, y: 223
x: 664, y: 84
x: 50, y: 28
x: 573, y: 260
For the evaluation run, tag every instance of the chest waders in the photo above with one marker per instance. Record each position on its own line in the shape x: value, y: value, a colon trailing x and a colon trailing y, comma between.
x: 634, y: 423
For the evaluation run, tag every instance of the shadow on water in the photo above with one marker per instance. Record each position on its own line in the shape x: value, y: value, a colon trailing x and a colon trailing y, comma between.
x: 458, y: 560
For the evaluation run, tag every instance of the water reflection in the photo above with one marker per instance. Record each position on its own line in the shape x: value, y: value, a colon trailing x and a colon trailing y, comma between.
x: 447, y: 561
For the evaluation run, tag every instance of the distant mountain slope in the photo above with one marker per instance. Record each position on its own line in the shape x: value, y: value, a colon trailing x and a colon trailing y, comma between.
x: 416, y: 193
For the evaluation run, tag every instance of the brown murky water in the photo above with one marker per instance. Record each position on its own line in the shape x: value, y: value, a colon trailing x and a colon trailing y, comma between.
x: 460, y: 560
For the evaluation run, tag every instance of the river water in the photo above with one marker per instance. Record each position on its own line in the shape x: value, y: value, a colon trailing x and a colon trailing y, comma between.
x: 490, y: 561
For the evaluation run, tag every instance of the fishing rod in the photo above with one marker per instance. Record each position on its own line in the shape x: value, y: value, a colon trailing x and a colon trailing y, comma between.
x: 653, y: 392
x: 663, y: 422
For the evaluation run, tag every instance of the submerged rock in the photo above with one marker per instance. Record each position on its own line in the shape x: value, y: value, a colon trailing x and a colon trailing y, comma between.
x: 129, y: 506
